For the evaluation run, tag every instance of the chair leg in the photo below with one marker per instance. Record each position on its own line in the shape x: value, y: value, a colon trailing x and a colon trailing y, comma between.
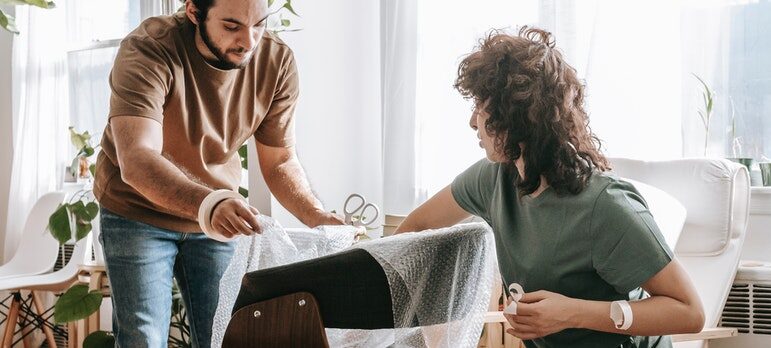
x: 10, y: 322
x: 40, y: 311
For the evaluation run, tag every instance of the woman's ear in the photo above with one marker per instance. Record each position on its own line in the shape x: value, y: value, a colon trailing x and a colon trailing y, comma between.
x: 191, y: 11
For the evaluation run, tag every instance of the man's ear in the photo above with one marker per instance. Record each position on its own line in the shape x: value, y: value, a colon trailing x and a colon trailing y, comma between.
x: 191, y: 11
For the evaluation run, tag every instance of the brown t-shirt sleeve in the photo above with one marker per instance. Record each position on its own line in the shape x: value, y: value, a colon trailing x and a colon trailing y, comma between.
x: 141, y: 81
x: 277, y: 129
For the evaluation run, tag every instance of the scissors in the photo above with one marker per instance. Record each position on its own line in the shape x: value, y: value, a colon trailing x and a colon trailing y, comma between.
x: 359, y: 211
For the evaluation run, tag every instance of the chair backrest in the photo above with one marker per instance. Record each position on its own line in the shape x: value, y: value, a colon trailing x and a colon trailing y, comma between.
x: 37, y: 249
x: 58, y: 280
x: 715, y: 193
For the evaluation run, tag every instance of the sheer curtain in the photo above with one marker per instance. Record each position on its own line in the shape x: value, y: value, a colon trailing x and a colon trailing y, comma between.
x: 629, y: 55
x: 427, y: 140
x: 40, y: 135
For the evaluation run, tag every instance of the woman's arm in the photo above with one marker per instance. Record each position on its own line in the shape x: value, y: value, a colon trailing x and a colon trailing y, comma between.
x: 439, y: 211
x: 673, y: 307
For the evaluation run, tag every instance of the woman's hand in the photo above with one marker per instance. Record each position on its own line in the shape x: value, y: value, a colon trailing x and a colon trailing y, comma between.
x: 542, y: 313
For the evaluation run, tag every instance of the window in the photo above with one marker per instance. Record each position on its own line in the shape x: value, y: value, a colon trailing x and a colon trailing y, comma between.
x: 94, y: 30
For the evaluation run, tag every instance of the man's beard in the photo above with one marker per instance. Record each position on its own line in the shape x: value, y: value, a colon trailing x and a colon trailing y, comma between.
x: 222, y: 62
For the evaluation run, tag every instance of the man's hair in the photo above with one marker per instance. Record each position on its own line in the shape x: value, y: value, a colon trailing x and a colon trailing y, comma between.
x: 203, y: 7
x: 535, y: 98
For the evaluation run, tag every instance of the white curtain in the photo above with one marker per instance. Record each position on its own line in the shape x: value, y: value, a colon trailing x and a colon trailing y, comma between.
x: 427, y: 140
x: 40, y: 136
x: 630, y: 63
x: 629, y: 55
x: 399, y: 59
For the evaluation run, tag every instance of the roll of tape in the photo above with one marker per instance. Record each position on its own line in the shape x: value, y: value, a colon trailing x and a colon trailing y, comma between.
x: 516, y: 292
x: 621, y: 314
x: 207, y: 208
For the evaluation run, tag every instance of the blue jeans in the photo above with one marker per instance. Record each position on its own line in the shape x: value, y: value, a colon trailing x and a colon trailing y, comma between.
x: 141, y: 260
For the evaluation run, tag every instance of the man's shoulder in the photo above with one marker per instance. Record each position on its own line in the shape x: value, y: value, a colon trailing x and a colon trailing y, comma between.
x: 159, y: 30
x: 272, y: 44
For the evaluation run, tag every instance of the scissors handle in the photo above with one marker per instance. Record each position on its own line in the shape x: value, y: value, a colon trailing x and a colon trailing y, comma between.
x: 370, y: 220
x: 358, y: 207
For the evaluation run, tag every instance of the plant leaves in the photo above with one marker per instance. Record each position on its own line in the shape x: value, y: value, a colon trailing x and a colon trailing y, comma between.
x: 59, y: 224
x: 92, y: 169
x: 99, y: 339
x: 244, y: 192
x: 288, y: 6
x: 270, y: 3
x: 77, y: 303
x: 38, y: 3
x: 285, y: 22
x: 8, y: 22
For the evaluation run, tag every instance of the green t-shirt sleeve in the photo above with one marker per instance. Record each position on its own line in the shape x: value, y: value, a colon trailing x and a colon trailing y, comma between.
x: 628, y: 248
x: 473, y: 189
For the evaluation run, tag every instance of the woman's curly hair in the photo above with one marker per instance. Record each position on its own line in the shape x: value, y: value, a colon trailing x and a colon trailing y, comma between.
x: 535, y: 98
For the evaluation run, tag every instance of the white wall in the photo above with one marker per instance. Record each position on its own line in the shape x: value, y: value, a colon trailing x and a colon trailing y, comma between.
x: 6, y: 126
x: 338, y: 115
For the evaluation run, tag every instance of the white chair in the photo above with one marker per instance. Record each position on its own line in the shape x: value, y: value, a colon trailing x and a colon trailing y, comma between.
x: 37, y: 249
x: 57, y: 281
x: 715, y: 193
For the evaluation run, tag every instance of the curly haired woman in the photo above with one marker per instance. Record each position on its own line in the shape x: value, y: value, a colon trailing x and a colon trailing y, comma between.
x: 579, y: 241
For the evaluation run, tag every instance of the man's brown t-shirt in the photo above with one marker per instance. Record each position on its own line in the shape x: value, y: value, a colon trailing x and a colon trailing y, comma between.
x: 206, y: 113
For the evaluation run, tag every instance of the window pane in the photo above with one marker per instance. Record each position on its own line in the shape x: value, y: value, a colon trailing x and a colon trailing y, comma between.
x: 89, y: 88
x: 99, y: 20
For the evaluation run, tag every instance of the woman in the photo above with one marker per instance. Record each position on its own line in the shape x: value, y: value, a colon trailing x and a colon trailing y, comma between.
x: 580, y: 241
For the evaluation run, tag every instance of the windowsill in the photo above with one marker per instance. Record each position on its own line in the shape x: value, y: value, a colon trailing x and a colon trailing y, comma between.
x: 760, y: 201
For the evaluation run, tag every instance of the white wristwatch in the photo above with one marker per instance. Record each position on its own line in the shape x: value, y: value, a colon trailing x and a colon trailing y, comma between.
x: 621, y: 314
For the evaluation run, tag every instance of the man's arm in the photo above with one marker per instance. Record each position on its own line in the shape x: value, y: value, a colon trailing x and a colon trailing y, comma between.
x: 287, y: 181
x: 439, y: 211
x: 138, y: 146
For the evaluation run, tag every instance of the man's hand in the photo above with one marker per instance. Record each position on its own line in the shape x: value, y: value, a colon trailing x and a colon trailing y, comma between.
x: 232, y: 217
x: 328, y: 218
x: 542, y: 313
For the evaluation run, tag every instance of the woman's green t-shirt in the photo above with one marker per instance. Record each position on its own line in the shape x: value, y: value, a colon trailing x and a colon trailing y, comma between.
x: 601, y: 244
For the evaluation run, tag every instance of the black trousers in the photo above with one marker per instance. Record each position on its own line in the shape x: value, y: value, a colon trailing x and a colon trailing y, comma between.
x: 351, y: 288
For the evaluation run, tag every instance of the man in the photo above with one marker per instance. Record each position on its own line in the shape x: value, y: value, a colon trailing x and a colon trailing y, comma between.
x: 187, y: 91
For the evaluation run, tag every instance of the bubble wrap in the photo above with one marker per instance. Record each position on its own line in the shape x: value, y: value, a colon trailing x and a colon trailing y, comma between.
x: 274, y: 247
x: 440, y: 280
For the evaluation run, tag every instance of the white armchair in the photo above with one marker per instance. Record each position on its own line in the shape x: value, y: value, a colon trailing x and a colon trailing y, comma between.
x: 715, y: 194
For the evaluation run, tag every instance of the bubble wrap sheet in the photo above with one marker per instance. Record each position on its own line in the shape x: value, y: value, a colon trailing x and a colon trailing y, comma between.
x: 440, y: 280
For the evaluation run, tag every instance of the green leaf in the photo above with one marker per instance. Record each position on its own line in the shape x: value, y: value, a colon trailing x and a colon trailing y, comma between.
x: 244, y: 192
x: 270, y: 3
x: 82, y: 229
x: 38, y: 3
x: 8, y: 22
x: 88, y: 151
x: 243, y: 154
x: 99, y: 339
x: 59, y: 224
x: 285, y: 22
x: 77, y: 303
x: 81, y: 141
x: 92, y: 169
x: 288, y: 6
x: 92, y: 209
